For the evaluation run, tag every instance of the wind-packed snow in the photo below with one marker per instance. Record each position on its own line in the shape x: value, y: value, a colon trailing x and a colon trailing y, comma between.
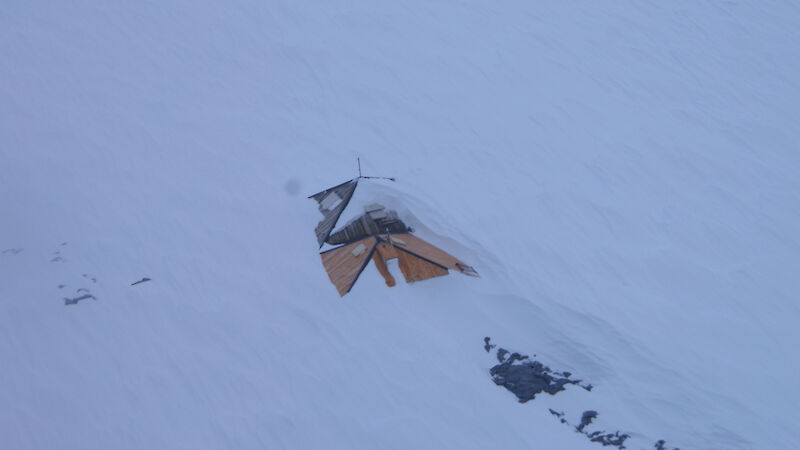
x: 625, y: 176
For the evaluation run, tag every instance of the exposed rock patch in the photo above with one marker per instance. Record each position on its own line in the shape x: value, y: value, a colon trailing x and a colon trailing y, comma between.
x: 526, y: 377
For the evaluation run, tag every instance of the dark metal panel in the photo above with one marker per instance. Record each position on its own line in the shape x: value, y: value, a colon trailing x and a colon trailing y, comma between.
x: 332, y: 203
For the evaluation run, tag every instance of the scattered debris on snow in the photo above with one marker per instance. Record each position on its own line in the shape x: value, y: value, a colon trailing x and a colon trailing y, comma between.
x: 143, y: 280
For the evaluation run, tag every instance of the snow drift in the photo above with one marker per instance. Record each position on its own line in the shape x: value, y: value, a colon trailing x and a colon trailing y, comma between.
x: 623, y: 176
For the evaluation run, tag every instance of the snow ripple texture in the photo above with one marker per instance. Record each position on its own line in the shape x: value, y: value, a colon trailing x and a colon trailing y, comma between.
x: 624, y: 176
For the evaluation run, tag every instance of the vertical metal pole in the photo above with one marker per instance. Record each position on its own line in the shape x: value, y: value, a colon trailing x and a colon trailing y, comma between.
x: 359, y: 167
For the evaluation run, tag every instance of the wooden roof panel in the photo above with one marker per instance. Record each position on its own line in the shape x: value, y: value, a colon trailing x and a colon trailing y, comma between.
x: 417, y: 269
x: 416, y: 246
x: 345, y: 263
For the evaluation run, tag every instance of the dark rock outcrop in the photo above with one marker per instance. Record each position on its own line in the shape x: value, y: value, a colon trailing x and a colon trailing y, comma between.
x: 526, y: 378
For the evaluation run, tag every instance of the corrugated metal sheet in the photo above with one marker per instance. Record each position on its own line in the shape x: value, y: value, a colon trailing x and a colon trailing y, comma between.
x: 376, y: 220
x: 332, y: 203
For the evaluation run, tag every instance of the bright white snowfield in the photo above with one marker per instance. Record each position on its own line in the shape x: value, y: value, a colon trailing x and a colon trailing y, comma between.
x: 625, y: 176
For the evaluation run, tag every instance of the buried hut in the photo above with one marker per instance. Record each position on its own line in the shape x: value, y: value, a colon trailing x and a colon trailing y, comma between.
x: 378, y: 235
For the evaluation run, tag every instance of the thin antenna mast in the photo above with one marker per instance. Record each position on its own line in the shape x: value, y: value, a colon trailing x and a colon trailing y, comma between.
x: 371, y: 178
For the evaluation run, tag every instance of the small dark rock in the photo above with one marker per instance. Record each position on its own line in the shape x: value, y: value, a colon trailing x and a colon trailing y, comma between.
x: 615, y: 439
x: 501, y: 354
x: 74, y: 301
x: 586, y: 419
x: 140, y: 281
x: 661, y: 445
x: 517, y: 357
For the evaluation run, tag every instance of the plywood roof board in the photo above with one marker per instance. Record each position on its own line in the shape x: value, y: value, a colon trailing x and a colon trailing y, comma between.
x: 344, y: 264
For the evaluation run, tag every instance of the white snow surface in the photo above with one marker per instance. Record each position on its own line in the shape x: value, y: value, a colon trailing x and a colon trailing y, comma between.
x: 625, y: 176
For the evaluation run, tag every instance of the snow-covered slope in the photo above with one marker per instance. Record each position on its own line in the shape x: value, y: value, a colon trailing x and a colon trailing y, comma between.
x: 623, y: 175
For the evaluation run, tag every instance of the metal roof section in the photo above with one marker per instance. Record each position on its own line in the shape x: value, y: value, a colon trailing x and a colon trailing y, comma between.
x: 332, y: 203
